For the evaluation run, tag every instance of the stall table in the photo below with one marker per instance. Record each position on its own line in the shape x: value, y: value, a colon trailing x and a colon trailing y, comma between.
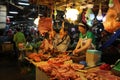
x: 40, y: 75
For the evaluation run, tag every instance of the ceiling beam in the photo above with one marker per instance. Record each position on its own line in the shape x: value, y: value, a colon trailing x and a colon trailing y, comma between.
x: 19, y: 7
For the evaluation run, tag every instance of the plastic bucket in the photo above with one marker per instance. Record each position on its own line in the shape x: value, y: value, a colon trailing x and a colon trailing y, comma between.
x: 93, y: 57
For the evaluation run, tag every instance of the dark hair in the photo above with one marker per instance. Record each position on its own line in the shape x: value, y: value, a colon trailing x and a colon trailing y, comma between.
x: 18, y: 29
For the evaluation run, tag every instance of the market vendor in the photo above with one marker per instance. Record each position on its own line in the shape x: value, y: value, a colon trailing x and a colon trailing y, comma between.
x: 62, y: 39
x: 86, y: 40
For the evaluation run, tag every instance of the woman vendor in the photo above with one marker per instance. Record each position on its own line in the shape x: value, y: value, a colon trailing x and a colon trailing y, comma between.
x: 62, y: 40
x: 86, y: 40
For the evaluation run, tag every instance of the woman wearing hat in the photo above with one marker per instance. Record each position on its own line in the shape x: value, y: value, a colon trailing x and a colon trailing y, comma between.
x: 86, y: 40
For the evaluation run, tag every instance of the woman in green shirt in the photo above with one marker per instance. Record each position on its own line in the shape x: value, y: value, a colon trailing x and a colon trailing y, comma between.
x: 86, y: 40
x: 19, y: 37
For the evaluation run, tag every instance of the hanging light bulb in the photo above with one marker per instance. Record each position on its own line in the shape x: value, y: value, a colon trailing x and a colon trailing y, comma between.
x: 90, y: 14
x: 111, y: 4
x: 89, y: 17
x: 55, y: 12
x: 104, y: 18
x: 36, y: 21
x: 73, y: 12
x: 99, y: 16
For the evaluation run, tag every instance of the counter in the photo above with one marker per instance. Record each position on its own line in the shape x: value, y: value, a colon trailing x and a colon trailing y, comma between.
x: 84, y: 74
x: 40, y: 75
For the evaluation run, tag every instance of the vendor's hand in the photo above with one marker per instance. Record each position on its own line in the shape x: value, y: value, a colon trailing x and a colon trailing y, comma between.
x: 75, y: 52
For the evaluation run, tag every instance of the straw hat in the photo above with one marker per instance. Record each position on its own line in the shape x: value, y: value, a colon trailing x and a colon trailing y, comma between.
x: 81, y: 24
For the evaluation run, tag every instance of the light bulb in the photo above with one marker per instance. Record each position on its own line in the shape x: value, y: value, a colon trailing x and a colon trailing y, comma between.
x: 90, y: 14
x: 71, y: 14
x: 99, y: 16
x: 111, y: 4
x: 36, y: 21
x: 104, y: 19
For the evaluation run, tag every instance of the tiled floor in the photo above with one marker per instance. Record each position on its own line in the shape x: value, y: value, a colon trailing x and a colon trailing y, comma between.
x: 10, y: 70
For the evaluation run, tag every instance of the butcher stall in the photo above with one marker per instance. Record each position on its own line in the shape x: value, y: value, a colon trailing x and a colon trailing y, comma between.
x: 52, y: 65
x: 62, y: 67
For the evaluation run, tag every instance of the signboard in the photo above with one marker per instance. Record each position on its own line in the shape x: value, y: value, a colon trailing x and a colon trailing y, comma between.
x: 3, y: 16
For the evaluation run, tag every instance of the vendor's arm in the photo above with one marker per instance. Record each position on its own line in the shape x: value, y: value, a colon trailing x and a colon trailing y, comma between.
x: 78, y: 44
x: 83, y: 48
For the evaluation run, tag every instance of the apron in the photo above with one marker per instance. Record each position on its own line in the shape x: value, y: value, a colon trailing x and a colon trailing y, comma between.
x: 83, y: 42
x: 82, y: 55
x: 92, y: 46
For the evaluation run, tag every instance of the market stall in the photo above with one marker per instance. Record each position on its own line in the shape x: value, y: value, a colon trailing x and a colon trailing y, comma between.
x: 38, y: 73
x: 63, y: 68
x: 60, y: 67
x: 52, y: 64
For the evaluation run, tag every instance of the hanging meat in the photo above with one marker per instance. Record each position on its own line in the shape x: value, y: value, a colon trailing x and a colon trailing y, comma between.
x: 112, y: 22
x: 45, y: 25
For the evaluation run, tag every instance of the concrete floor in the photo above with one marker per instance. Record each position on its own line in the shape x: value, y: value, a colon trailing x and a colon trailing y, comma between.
x: 11, y: 70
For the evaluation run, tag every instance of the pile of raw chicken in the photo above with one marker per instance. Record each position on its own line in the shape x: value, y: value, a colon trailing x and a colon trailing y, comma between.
x: 61, y: 68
